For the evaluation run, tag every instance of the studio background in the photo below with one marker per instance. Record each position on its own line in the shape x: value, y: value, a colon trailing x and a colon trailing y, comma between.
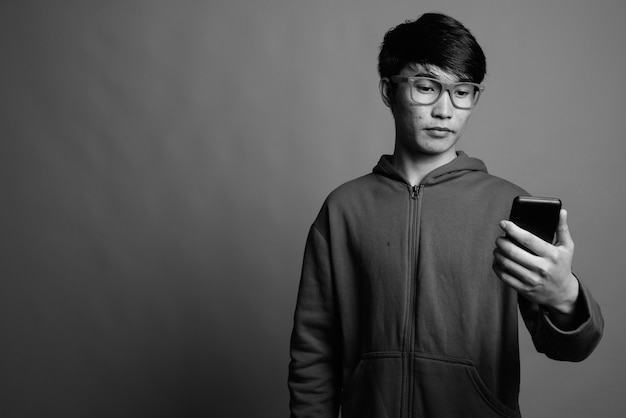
x: 161, y: 162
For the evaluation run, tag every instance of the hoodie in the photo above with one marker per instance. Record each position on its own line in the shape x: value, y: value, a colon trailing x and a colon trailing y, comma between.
x: 399, y: 313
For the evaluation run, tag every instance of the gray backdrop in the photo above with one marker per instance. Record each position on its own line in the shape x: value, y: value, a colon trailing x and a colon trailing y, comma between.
x: 161, y: 162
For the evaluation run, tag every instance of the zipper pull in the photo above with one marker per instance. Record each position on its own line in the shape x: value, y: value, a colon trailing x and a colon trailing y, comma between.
x: 415, y: 192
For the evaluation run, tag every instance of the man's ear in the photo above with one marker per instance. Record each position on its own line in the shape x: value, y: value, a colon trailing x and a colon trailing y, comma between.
x: 386, y: 91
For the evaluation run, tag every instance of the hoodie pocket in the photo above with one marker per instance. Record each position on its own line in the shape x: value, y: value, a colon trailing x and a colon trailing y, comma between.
x: 440, y: 387
x: 374, y: 389
x: 448, y: 387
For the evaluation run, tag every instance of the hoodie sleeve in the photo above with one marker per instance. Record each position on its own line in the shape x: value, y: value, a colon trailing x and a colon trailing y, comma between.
x: 574, y: 345
x: 315, y: 367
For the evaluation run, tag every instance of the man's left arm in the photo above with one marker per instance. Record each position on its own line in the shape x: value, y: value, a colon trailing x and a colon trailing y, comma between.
x: 562, y: 316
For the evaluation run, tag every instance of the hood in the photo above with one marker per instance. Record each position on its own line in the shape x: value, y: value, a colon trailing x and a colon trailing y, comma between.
x: 461, y: 165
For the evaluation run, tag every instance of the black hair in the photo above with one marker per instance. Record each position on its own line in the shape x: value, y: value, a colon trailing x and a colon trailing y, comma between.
x: 433, y: 39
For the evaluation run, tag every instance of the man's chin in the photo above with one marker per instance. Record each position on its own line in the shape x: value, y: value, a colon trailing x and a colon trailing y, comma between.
x: 437, y: 147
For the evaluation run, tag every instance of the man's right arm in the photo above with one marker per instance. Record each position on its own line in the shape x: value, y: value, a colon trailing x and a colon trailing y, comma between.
x: 315, y: 367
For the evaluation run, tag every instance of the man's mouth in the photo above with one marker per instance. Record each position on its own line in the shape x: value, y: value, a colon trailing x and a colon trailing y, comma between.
x: 439, y: 129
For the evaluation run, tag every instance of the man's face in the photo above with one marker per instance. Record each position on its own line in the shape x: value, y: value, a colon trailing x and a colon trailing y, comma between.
x: 425, y: 129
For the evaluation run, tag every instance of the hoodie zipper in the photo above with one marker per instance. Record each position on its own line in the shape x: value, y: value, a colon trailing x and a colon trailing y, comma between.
x: 415, y: 192
x: 411, y: 287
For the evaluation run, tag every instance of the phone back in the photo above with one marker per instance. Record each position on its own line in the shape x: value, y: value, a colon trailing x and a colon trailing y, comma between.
x: 537, y: 215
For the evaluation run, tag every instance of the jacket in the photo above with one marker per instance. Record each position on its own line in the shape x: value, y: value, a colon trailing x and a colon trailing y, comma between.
x: 399, y: 313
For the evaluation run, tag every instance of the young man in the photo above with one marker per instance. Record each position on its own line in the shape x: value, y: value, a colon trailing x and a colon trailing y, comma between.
x: 411, y: 281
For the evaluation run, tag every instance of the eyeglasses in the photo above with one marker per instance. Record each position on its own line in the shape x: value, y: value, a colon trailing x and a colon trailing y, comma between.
x: 426, y: 91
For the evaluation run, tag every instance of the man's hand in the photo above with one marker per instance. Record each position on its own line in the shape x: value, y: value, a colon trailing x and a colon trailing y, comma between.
x: 544, y: 277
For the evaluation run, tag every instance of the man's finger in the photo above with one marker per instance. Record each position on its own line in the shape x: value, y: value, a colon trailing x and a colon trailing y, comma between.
x: 510, y: 249
x: 509, y: 279
x: 514, y: 268
x: 563, y: 236
x: 525, y: 238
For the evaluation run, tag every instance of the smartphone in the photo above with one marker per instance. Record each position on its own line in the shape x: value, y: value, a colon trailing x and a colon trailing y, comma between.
x: 537, y: 215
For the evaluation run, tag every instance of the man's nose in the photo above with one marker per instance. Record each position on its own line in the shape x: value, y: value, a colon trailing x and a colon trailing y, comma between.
x: 443, y: 107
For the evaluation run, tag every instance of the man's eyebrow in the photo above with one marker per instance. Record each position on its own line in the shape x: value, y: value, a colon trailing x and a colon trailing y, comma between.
x: 426, y: 74
x: 436, y: 77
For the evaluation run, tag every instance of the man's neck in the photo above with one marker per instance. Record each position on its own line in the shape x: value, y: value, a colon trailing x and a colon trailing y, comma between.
x: 417, y: 166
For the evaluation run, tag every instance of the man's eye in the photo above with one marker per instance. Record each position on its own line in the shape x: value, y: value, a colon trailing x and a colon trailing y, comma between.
x: 462, y: 92
x: 424, y: 88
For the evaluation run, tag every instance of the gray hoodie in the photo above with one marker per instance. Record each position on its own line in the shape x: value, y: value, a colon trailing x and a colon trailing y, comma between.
x: 399, y: 312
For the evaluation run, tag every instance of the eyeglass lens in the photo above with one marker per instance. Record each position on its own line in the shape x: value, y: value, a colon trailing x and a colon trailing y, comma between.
x: 425, y: 91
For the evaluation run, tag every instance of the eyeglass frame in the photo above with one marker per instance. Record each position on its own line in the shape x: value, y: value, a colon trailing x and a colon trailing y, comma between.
x: 444, y: 87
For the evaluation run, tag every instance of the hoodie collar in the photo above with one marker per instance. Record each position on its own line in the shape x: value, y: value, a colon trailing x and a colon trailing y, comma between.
x: 462, y: 164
